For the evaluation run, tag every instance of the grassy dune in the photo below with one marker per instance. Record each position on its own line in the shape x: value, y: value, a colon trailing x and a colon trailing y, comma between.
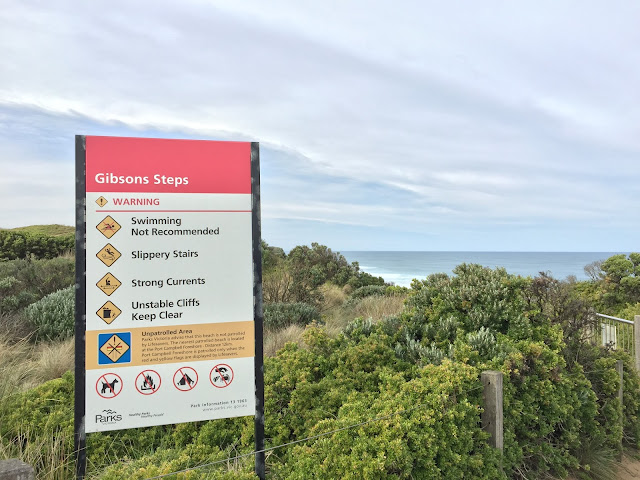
x: 51, y: 230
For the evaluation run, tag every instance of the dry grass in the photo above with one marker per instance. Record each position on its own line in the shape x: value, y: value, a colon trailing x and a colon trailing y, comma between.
x: 14, y: 328
x: 24, y: 365
x: 375, y: 307
x: 51, y: 458
x: 15, y: 369
x: 54, y: 359
x: 333, y: 297
x: 275, y: 340
x: 68, y: 254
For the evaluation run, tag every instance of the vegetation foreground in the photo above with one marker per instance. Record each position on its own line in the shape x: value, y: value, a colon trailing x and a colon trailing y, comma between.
x: 346, y: 349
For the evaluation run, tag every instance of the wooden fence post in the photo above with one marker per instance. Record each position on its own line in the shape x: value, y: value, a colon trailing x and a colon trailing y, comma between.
x: 636, y: 341
x: 620, y: 369
x: 492, y: 416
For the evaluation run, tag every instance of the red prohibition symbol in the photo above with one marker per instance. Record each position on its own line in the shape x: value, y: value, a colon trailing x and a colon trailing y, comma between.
x: 221, y: 375
x: 109, y: 385
x: 185, y: 379
x: 148, y: 382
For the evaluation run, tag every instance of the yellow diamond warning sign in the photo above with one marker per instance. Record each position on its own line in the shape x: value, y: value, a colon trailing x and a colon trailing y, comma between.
x: 114, y: 348
x: 108, y: 312
x: 108, y: 226
x: 102, y: 201
x: 108, y: 284
x: 108, y: 255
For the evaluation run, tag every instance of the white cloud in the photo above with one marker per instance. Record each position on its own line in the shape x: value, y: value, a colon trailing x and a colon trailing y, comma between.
x: 482, y: 113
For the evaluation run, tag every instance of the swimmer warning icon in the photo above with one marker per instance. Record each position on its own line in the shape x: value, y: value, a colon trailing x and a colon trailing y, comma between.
x: 108, y: 226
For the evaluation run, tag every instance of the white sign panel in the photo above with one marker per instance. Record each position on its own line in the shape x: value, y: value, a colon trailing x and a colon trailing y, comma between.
x: 169, y: 282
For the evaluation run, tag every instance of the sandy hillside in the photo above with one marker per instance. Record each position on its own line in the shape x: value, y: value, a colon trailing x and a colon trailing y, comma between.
x: 630, y: 468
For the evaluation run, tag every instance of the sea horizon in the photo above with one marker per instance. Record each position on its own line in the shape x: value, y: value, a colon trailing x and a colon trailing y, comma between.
x: 400, y: 267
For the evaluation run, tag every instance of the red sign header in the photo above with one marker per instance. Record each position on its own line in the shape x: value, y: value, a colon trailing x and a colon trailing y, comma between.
x: 125, y: 164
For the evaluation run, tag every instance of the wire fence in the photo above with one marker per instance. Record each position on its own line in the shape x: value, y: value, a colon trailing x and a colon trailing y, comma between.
x: 301, y: 440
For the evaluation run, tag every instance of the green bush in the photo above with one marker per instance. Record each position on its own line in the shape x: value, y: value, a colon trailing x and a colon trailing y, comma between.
x: 417, y: 372
x: 615, y: 286
x: 369, y: 291
x: 298, y: 276
x: 631, y: 400
x: 53, y: 316
x: 23, y: 282
x: 19, y: 245
x: 166, y: 461
x: 13, y: 297
x: 362, y: 279
x: 437, y: 437
x: 281, y: 315
x: 519, y: 325
x: 47, y: 412
x: 547, y: 411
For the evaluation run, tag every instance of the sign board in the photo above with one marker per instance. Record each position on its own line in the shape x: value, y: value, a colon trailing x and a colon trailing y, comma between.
x: 168, y: 305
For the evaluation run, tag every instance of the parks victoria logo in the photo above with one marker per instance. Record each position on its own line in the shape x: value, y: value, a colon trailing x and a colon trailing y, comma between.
x: 108, y: 417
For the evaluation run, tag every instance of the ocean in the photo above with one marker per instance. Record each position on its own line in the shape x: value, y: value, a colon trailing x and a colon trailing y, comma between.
x: 400, y: 268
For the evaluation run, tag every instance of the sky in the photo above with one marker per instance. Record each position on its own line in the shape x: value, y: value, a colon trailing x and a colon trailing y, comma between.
x: 412, y: 125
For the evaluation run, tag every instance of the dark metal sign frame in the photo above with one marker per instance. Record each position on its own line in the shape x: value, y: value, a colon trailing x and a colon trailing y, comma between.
x: 80, y: 444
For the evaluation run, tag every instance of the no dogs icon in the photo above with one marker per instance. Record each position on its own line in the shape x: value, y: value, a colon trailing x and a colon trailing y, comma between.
x: 109, y: 385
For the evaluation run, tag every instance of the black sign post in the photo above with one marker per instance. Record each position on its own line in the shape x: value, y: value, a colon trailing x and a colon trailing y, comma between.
x: 80, y: 438
x: 257, y: 310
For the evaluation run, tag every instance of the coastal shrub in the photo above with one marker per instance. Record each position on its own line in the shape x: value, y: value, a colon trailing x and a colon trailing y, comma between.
x: 53, y: 315
x: 277, y: 285
x: 474, y: 297
x: 428, y: 428
x: 23, y: 282
x: 518, y: 325
x: 19, y: 245
x: 311, y: 267
x: 43, y: 412
x: 615, y: 286
x: 309, y: 384
x: 417, y: 372
x: 299, y: 275
x: 574, y: 314
x: 378, y: 291
x: 547, y: 411
x: 46, y: 411
x: 368, y: 290
x: 166, y: 461
x: 362, y: 279
x: 282, y: 315
x: 631, y: 400
x: 12, y: 296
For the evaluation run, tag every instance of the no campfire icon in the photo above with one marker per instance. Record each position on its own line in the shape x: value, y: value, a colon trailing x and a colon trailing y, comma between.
x: 148, y: 382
